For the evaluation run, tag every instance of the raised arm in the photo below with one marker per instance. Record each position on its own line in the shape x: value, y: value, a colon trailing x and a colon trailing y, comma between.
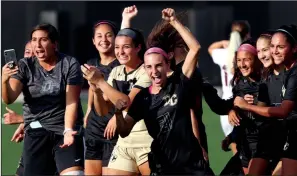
x: 11, y: 87
x: 193, y: 45
x: 128, y: 14
x: 217, y: 45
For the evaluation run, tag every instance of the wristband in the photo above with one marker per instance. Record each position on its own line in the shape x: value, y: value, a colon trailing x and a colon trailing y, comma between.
x: 66, y: 130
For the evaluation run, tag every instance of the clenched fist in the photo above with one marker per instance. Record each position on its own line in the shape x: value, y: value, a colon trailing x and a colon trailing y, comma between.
x: 168, y: 14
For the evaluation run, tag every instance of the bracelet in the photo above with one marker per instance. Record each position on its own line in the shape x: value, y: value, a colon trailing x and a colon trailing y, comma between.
x: 66, y: 130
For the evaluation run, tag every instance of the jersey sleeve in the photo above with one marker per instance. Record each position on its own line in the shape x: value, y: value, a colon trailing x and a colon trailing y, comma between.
x: 291, y: 88
x: 111, y: 76
x: 218, y: 56
x: 216, y: 103
x: 74, y: 76
x: 138, y: 108
x: 22, y: 74
x: 143, y: 80
x: 196, y: 88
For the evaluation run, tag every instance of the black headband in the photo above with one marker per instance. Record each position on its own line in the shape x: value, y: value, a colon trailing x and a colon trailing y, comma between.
x: 110, y: 23
x: 128, y: 32
x: 287, y: 32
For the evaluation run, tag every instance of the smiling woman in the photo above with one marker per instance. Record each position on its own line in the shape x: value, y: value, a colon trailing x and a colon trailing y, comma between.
x: 283, y: 49
x: 246, y: 80
x: 165, y: 109
x: 263, y: 49
x: 98, y: 148
x: 124, y: 82
x: 246, y: 62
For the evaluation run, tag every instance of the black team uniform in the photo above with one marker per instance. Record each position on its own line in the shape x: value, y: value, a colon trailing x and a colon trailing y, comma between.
x: 272, y: 132
x: 175, y: 149
x: 246, y: 136
x: 202, y: 88
x: 98, y: 147
x: 289, y: 92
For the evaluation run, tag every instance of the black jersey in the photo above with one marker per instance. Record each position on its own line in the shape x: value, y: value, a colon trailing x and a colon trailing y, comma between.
x: 271, y: 91
x: 168, y: 120
x: 272, y: 132
x: 249, y: 122
x: 45, y: 91
x: 216, y: 104
x: 289, y: 90
x: 105, y: 69
x: 210, y: 94
x: 196, y: 91
x: 96, y: 124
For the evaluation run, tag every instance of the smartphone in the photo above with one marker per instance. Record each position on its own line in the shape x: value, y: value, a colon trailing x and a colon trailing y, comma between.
x: 10, y: 57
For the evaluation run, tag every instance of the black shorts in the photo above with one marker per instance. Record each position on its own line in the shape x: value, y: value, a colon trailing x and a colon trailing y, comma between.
x: 98, y: 150
x: 233, y: 167
x: 200, y: 167
x: 42, y: 154
x: 272, y: 138
x: 20, y: 168
x: 246, y: 153
x: 290, y: 147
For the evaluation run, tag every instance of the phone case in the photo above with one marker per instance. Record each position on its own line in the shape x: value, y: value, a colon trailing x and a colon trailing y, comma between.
x: 10, y: 57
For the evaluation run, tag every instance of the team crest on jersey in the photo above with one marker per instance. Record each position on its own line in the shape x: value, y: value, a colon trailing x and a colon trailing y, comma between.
x: 171, y: 101
x: 286, y: 146
x: 49, y: 87
x: 283, y: 90
x: 113, y: 158
x: 131, y: 84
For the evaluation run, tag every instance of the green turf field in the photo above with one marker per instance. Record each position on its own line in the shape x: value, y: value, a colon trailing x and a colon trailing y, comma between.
x: 11, y: 151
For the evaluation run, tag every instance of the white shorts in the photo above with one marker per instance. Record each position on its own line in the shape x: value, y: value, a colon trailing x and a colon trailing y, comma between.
x: 128, y: 159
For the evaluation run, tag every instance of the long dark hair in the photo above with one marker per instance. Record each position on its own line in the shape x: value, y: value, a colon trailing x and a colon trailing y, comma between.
x: 258, y: 66
x: 290, y: 31
x: 137, y: 40
x: 164, y: 36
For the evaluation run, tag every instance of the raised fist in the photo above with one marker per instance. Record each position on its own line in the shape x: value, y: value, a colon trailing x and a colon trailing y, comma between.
x: 168, y: 14
x: 130, y: 12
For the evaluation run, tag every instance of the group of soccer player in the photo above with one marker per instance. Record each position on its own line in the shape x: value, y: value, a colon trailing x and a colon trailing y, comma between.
x: 144, y: 113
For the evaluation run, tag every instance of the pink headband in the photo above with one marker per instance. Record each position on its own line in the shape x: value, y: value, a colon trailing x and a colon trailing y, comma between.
x: 248, y: 48
x: 157, y: 50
